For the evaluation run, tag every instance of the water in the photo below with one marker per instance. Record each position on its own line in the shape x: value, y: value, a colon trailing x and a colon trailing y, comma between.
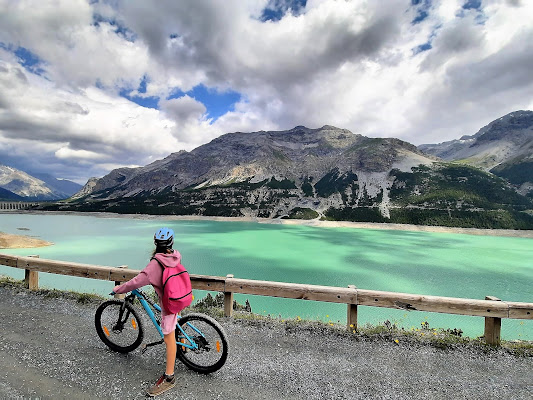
x: 441, y: 264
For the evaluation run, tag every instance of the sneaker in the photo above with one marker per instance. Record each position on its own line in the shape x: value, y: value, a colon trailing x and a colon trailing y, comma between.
x: 162, y: 385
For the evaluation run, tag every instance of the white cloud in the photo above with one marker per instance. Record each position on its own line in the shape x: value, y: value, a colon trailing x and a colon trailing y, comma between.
x: 67, y: 153
x: 183, y: 109
x: 85, y: 124
x: 76, y: 52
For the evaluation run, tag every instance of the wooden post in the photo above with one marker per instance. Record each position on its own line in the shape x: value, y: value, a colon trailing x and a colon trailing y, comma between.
x: 493, y: 327
x: 228, y: 301
x: 351, y: 323
x: 31, y: 278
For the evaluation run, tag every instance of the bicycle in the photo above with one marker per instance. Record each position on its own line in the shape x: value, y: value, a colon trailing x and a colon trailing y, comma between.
x: 202, y: 343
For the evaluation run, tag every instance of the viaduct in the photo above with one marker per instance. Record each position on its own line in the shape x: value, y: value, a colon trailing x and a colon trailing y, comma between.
x: 16, y: 205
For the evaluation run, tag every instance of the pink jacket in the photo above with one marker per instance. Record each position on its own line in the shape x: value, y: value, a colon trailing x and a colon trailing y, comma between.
x: 152, y: 274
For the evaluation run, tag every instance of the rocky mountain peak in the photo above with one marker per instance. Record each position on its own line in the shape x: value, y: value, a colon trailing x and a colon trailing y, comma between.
x: 265, y: 162
x: 41, y: 187
x: 499, y: 141
x: 516, y: 127
x: 503, y: 147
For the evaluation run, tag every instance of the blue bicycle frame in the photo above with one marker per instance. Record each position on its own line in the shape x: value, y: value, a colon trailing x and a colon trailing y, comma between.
x: 146, y: 305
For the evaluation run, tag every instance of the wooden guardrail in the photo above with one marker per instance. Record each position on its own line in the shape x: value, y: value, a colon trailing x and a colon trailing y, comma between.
x: 492, y: 308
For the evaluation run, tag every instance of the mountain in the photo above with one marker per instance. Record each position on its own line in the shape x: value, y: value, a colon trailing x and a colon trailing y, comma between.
x: 503, y: 147
x: 307, y: 173
x: 61, y: 187
x: 29, y: 187
x: 296, y: 155
x: 86, y: 190
x: 6, y: 195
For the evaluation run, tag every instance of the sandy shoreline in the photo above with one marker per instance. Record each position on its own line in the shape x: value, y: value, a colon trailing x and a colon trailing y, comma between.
x: 9, y: 241
x: 313, y: 223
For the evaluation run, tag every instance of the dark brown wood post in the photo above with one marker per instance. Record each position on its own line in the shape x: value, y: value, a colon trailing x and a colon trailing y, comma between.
x: 228, y: 301
x: 31, y: 278
x: 352, y: 314
x: 493, y: 327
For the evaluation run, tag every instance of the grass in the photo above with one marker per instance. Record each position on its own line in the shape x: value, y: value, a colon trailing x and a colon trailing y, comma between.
x: 82, y: 298
x: 444, y: 339
x: 387, y: 332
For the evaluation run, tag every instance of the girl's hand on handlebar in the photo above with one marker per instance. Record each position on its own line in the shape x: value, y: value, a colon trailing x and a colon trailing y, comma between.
x: 115, y: 289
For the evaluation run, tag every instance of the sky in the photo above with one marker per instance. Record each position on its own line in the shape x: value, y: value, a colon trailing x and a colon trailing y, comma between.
x: 89, y: 86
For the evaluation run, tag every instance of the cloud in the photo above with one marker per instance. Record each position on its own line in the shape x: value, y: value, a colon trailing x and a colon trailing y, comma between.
x: 183, y: 109
x: 69, y: 154
x: 78, y: 126
x: 76, y: 51
x: 462, y: 37
x: 72, y: 70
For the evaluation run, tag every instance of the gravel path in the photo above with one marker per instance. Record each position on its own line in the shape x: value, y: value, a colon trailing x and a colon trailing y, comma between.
x: 50, y: 350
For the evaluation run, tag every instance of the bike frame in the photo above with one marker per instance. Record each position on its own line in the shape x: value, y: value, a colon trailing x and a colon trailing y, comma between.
x: 146, y: 303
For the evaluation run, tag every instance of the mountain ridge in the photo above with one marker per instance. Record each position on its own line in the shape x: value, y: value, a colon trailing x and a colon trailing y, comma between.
x: 259, y: 155
x: 504, y: 147
x: 9, y: 196
x: 327, y: 173
x: 29, y: 187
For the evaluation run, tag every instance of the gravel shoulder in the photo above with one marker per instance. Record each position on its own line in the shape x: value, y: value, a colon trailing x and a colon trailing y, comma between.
x: 50, y: 350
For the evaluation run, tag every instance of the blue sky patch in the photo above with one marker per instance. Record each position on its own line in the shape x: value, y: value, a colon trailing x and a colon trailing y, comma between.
x: 148, y: 102
x: 426, y: 46
x: 119, y: 29
x: 216, y: 102
x: 423, y: 47
x: 472, y: 4
x: 26, y: 58
x: 476, y: 5
x: 276, y: 9
x: 420, y: 16
x: 422, y: 10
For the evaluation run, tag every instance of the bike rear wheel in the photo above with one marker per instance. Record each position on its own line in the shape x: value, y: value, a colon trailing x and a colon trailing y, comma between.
x: 211, y: 339
x: 119, y: 326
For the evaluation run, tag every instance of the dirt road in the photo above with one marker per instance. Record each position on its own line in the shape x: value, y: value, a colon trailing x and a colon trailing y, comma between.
x: 50, y: 350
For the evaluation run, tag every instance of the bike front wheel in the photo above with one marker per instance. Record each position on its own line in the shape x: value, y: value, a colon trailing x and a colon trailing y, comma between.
x: 118, y: 325
x: 210, y: 338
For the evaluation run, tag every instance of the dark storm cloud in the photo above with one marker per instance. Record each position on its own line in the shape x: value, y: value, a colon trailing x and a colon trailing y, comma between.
x: 45, y: 131
x: 509, y: 69
x: 458, y: 37
x: 197, y: 35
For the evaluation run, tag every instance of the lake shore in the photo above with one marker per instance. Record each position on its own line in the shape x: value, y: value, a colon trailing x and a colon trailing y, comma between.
x: 9, y: 241
x: 313, y: 223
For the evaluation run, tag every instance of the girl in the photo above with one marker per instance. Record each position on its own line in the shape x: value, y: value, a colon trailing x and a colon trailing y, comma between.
x: 153, y: 274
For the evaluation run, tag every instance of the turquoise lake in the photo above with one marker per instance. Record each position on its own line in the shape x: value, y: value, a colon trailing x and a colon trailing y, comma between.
x: 441, y: 264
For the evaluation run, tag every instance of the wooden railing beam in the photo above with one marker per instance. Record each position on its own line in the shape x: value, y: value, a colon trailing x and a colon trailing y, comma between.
x: 491, y: 308
x: 448, y: 305
x: 292, y: 291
